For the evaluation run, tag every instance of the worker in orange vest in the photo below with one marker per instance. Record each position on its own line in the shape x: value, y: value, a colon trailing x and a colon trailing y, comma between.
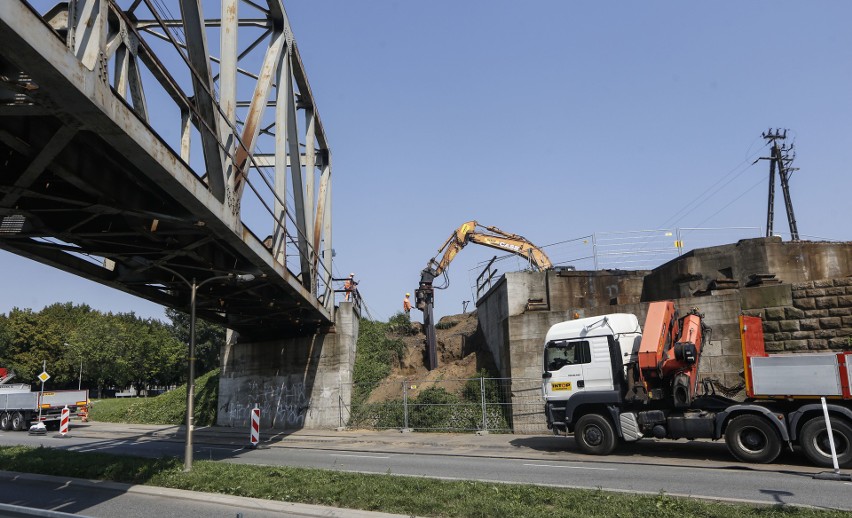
x: 406, y: 305
x: 349, y: 286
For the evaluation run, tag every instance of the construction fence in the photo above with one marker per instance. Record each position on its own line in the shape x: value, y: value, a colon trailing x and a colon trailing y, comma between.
x: 628, y: 250
x: 498, y: 405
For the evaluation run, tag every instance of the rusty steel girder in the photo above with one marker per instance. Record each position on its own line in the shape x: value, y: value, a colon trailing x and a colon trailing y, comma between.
x: 100, y: 106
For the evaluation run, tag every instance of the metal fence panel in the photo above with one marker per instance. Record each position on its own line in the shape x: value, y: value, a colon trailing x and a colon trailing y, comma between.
x: 627, y: 250
x: 500, y: 405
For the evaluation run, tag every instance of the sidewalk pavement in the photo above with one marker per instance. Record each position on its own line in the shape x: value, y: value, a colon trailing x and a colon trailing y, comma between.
x: 376, y: 441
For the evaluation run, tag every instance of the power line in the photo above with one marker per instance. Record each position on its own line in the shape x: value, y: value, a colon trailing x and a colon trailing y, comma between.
x: 710, y: 191
x: 732, y: 201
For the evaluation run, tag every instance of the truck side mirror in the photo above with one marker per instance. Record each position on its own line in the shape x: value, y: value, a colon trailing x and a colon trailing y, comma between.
x: 546, y: 375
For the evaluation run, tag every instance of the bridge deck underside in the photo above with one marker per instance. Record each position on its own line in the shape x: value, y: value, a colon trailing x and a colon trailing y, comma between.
x: 87, y: 187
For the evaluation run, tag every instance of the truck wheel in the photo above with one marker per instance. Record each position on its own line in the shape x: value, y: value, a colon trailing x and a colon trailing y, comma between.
x: 814, y: 442
x: 751, y: 438
x: 18, y: 421
x: 595, y: 435
x: 5, y: 421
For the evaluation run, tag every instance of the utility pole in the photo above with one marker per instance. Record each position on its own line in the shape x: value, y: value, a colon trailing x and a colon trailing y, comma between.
x: 781, y: 157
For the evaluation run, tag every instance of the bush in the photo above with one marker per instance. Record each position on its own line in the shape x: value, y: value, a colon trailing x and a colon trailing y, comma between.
x: 400, y: 324
x: 168, y: 408
x: 375, y: 355
x: 387, y: 414
x: 472, y: 390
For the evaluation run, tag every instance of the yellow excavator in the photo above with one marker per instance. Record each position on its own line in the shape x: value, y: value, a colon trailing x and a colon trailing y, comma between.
x: 469, y: 232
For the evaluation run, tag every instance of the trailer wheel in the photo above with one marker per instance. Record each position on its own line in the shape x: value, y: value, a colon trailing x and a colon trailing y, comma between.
x: 814, y: 442
x: 5, y: 421
x: 595, y: 435
x: 18, y: 421
x: 751, y: 438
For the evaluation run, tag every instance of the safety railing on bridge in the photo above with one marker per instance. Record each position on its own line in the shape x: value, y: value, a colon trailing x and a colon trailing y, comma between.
x: 346, y: 290
x: 498, y: 405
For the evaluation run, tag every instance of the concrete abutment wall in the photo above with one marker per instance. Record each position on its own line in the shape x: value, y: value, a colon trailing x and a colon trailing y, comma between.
x: 297, y: 382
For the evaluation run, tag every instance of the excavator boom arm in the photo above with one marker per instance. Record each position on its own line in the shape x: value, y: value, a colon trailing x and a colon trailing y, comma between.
x: 494, y: 238
x: 516, y: 245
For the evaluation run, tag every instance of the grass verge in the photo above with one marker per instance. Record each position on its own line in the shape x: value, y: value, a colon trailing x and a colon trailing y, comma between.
x: 168, y: 408
x: 388, y: 493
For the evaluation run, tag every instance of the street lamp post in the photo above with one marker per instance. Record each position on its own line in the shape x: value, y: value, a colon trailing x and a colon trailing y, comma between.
x: 190, y: 382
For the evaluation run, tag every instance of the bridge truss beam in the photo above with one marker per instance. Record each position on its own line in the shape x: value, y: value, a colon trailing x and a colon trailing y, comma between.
x: 102, y: 104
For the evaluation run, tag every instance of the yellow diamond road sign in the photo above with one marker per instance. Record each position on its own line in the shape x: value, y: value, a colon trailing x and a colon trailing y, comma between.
x: 44, y: 377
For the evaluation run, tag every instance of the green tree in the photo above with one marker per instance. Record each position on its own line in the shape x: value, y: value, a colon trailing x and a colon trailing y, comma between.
x: 100, y: 341
x: 209, y: 338
x: 115, y: 349
x: 122, y: 350
x: 31, y: 339
x: 153, y: 354
x: 28, y: 339
x: 64, y: 367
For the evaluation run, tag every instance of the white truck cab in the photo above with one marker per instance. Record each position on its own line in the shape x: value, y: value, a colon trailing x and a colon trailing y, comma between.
x: 578, y: 354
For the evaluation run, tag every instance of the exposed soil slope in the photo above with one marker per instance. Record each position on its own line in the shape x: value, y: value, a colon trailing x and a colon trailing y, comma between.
x: 461, y: 354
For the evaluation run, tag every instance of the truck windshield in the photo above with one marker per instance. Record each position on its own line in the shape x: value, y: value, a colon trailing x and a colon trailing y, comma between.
x: 560, y: 353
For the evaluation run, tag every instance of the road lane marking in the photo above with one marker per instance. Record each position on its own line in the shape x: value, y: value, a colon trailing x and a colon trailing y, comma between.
x: 568, y: 467
x: 359, y: 456
x: 231, y: 449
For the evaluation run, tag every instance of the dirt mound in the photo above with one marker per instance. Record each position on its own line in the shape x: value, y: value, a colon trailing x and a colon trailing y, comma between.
x: 461, y: 354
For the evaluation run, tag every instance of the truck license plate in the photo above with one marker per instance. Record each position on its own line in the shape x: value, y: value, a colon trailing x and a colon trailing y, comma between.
x: 562, y: 385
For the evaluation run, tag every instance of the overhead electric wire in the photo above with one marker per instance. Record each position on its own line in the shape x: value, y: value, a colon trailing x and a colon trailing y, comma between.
x: 762, y: 180
x: 712, y: 190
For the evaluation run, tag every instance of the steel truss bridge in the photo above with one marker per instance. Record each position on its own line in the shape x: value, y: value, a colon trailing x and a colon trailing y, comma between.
x: 147, y: 149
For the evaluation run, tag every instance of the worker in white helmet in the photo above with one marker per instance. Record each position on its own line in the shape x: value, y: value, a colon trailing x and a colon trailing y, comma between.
x: 349, y: 286
x: 406, y: 305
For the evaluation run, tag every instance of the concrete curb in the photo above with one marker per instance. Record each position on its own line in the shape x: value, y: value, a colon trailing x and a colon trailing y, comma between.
x: 289, y: 508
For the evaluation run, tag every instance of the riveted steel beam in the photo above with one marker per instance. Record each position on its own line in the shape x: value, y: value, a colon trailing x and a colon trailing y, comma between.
x: 202, y: 85
x: 103, y: 187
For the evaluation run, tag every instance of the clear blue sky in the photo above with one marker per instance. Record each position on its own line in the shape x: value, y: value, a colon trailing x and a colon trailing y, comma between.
x: 554, y: 120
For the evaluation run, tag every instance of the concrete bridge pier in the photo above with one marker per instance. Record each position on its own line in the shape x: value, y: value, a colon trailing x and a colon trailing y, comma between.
x: 297, y: 382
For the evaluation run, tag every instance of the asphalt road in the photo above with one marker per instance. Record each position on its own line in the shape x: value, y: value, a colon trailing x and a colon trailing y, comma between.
x: 97, y: 502
x: 700, y: 469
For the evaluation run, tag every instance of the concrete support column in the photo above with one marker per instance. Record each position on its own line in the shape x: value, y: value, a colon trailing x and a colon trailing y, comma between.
x: 297, y: 382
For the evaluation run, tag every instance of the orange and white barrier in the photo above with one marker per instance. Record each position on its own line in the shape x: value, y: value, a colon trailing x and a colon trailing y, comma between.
x: 255, y: 426
x: 63, y: 421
